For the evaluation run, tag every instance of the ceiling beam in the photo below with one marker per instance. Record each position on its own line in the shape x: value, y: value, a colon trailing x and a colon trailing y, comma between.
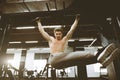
x: 52, y: 18
x: 45, y: 44
x: 21, y: 1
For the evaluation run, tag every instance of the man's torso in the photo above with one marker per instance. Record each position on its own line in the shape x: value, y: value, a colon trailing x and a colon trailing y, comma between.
x: 57, y: 46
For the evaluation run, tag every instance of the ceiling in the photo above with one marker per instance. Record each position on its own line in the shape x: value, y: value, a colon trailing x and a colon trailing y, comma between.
x: 21, y: 6
x: 107, y: 7
x: 94, y: 17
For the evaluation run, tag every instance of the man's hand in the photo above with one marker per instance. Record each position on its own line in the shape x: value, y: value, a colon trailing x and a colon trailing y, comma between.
x: 78, y: 16
x: 37, y: 19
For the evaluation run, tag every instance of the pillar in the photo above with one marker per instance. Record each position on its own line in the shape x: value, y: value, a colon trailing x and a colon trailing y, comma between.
x: 82, y: 72
x: 22, y: 63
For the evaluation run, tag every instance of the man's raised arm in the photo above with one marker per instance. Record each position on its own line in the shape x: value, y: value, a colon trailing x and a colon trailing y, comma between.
x: 73, y: 27
x: 42, y: 31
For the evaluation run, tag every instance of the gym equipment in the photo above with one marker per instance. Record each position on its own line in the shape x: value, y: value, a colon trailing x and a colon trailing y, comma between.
x: 5, y: 71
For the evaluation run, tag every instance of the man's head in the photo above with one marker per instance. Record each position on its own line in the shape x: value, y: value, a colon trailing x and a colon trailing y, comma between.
x: 58, y: 32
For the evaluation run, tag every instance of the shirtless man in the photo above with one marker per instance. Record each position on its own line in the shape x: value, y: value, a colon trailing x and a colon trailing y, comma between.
x: 58, y: 57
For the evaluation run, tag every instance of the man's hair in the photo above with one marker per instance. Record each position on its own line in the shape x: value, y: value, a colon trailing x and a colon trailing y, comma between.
x: 58, y: 29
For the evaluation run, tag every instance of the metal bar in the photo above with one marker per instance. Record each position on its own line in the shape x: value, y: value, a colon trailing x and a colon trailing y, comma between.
x: 55, y: 4
x: 4, y: 40
x: 47, y: 6
x: 93, y: 42
x: 64, y: 5
x: 20, y: 1
x: 26, y: 6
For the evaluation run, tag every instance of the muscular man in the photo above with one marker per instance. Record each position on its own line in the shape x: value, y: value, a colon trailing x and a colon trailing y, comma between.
x: 58, y: 57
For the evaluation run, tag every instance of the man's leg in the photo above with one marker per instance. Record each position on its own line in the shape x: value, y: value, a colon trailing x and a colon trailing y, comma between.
x: 70, y: 59
x: 79, y: 55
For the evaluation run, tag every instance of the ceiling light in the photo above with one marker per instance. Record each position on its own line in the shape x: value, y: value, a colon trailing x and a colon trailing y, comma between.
x: 71, y: 40
x: 32, y: 27
x: 82, y: 39
x: 86, y: 39
x: 53, y: 9
x: 53, y: 26
x: 31, y: 41
x: 14, y: 42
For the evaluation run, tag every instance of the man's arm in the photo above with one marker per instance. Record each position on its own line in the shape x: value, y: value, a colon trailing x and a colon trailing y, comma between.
x: 42, y: 31
x: 73, y: 27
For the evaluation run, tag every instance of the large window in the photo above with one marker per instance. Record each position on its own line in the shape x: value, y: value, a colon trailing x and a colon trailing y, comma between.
x: 39, y: 64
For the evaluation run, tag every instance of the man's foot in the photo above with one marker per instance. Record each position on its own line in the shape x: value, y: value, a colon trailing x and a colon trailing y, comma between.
x: 36, y: 19
x: 112, y: 57
x: 106, y: 52
x: 100, y: 51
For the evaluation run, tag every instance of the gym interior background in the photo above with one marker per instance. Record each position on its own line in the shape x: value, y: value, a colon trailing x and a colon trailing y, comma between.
x: 24, y: 52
